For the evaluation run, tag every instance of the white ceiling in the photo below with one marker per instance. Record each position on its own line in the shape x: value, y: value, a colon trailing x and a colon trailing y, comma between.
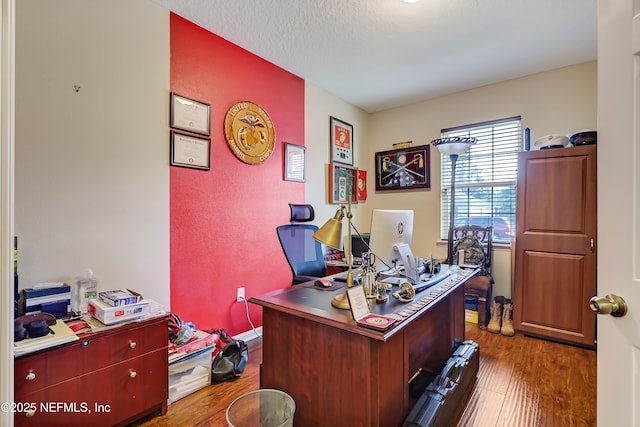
x: 379, y: 54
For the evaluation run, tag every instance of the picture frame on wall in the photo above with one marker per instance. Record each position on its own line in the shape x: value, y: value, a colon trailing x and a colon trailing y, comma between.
x: 403, y: 169
x: 294, y: 162
x: 341, y: 141
x: 189, y: 115
x: 189, y: 151
x: 342, y: 183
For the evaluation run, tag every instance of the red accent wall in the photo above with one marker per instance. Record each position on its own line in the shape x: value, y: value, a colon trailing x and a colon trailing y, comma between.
x: 223, y: 221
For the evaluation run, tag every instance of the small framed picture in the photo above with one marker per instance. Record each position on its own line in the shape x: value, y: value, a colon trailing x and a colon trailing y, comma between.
x: 189, y: 151
x: 341, y: 139
x: 342, y: 184
x: 403, y: 169
x: 189, y: 115
x: 294, y: 162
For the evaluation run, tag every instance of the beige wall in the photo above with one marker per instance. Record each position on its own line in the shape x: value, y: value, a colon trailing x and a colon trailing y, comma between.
x: 319, y: 105
x: 559, y: 101
x: 92, y: 175
x: 109, y: 132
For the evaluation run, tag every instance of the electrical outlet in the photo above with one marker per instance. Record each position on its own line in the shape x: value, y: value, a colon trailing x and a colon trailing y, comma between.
x: 240, y: 296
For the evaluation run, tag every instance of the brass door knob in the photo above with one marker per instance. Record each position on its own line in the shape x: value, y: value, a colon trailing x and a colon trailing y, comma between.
x: 611, y: 304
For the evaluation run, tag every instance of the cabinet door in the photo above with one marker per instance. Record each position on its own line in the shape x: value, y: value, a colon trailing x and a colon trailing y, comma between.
x: 555, y: 266
x: 102, y: 398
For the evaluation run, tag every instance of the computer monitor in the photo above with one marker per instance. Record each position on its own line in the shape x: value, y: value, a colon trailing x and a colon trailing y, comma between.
x: 388, y: 229
x: 359, y: 244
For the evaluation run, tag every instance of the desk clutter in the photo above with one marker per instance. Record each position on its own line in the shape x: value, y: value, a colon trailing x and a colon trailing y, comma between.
x: 433, y: 292
x: 54, y: 313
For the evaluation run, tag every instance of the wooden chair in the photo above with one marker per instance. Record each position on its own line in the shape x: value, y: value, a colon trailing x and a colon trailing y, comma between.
x: 477, y: 243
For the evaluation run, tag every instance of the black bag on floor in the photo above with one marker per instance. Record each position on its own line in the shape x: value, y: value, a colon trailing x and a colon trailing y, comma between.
x: 229, y: 359
x: 443, y: 401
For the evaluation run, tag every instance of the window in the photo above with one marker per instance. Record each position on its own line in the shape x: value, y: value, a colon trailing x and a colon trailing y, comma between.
x: 485, y: 178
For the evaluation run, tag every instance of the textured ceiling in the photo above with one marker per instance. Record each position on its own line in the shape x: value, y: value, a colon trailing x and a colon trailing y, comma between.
x: 379, y: 54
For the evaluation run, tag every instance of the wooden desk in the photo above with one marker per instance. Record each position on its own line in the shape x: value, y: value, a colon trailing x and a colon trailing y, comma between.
x: 339, y: 373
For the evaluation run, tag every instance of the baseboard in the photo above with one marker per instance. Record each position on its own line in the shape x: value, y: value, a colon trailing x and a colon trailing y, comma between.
x: 249, y: 335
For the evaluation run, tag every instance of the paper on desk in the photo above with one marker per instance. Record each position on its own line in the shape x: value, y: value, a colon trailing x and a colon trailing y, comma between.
x: 62, y: 334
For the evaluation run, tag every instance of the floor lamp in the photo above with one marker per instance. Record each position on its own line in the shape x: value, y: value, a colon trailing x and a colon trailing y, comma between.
x: 452, y: 147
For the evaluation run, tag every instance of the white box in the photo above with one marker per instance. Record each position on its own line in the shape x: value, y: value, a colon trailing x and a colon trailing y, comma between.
x: 110, y: 315
x: 189, y: 374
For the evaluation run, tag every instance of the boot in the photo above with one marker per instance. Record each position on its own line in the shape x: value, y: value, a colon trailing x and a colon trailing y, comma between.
x: 507, y: 319
x: 496, y: 315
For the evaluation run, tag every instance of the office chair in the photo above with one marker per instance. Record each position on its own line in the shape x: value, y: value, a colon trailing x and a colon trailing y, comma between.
x: 477, y: 243
x: 304, y: 254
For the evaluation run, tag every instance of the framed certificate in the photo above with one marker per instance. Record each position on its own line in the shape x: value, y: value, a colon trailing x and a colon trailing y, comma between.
x: 189, y: 151
x: 190, y: 115
x: 294, y: 162
x: 341, y: 141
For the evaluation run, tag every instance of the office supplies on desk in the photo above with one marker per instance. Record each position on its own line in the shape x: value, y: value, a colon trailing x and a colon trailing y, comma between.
x: 60, y: 334
x: 109, y: 315
x: 51, y: 297
x: 360, y: 311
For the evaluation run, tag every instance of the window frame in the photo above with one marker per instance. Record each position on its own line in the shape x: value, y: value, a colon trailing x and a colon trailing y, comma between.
x: 501, y: 157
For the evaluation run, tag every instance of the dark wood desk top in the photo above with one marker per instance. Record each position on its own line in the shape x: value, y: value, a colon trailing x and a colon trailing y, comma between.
x: 311, y: 302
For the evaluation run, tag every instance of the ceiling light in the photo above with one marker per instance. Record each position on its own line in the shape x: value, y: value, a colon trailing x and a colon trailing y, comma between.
x: 411, y: 1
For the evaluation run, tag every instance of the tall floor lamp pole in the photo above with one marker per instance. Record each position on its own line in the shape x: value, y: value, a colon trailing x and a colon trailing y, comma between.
x: 452, y: 208
x: 452, y: 147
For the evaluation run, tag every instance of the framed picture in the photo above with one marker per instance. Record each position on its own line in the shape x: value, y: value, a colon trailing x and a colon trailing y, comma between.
x: 189, y: 151
x: 362, y: 185
x: 294, y: 162
x: 403, y: 169
x: 341, y: 139
x: 190, y: 115
x: 342, y: 183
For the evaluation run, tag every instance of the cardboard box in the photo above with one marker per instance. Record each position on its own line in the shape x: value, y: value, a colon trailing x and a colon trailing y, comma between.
x: 471, y: 316
x: 110, y: 315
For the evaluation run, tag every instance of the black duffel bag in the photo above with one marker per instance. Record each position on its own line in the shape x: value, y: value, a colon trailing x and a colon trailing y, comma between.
x: 230, y: 357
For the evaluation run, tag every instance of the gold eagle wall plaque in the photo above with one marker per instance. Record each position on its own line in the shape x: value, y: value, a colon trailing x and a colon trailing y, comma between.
x: 250, y: 133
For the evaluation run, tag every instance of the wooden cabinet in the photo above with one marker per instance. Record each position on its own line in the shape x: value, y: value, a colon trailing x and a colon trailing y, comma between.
x: 555, y: 260
x: 104, y: 379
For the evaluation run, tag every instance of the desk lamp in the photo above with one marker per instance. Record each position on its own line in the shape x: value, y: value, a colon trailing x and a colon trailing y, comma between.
x: 452, y: 147
x: 331, y: 235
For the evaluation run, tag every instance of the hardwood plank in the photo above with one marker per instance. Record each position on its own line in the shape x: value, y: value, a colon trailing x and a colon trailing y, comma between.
x: 522, y: 382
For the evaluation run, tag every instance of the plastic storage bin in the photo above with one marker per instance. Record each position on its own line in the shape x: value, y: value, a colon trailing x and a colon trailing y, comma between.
x: 189, y: 374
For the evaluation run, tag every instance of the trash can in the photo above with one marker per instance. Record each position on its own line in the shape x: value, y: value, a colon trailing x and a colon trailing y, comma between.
x: 262, y: 408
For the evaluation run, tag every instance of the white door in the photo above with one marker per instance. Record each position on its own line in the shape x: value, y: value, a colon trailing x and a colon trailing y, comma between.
x: 619, y: 210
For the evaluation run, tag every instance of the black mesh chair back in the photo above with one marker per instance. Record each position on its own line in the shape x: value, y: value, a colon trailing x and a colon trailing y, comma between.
x: 304, y: 254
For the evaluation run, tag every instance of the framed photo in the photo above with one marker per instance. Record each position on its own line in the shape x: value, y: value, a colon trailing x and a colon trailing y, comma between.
x: 294, y: 162
x: 341, y: 140
x: 342, y: 183
x: 189, y: 151
x: 190, y: 115
x: 403, y: 169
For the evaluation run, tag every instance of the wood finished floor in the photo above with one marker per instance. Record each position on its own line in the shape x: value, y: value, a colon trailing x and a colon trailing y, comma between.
x: 522, y: 382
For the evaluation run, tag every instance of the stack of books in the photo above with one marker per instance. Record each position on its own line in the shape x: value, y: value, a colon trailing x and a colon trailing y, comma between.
x: 117, y: 306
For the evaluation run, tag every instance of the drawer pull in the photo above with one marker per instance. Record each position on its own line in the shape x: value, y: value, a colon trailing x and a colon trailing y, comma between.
x: 132, y: 344
x: 30, y: 376
x: 85, y: 343
x: 132, y: 374
x: 29, y: 414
